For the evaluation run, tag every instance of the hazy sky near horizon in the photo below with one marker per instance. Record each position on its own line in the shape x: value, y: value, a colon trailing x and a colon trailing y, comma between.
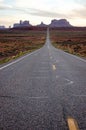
x: 12, y: 11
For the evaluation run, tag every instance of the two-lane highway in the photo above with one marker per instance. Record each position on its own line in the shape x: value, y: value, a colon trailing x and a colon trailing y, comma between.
x: 44, y: 90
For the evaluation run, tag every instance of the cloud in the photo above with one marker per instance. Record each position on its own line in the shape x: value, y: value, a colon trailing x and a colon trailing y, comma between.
x: 46, y: 8
x: 43, y: 13
x: 75, y: 13
x: 1, y: 1
x: 80, y: 13
x: 83, y: 2
x: 31, y: 11
x: 4, y: 7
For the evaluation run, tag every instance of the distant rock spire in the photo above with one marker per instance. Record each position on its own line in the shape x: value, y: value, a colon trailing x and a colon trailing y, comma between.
x: 42, y: 25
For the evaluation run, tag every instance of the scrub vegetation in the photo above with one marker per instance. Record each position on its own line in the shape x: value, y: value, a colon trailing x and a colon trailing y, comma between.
x: 72, y: 40
x: 17, y: 42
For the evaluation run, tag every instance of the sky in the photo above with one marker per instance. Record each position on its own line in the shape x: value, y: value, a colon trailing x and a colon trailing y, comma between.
x: 35, y: 11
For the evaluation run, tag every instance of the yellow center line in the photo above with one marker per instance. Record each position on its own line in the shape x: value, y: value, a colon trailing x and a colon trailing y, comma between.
x: 72, y: 124
x: 54, y: 67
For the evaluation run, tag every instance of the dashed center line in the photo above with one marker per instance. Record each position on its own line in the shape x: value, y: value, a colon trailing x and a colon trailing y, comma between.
x: 54, y: 67
x: 72, y: 124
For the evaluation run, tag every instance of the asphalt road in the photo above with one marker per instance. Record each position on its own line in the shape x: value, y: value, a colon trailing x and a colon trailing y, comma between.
x: 41, y: 90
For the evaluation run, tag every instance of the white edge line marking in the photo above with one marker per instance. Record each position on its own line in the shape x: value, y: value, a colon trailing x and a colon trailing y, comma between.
x: 75, y: 57
x: 70, y: 82
x: 18, y: 60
